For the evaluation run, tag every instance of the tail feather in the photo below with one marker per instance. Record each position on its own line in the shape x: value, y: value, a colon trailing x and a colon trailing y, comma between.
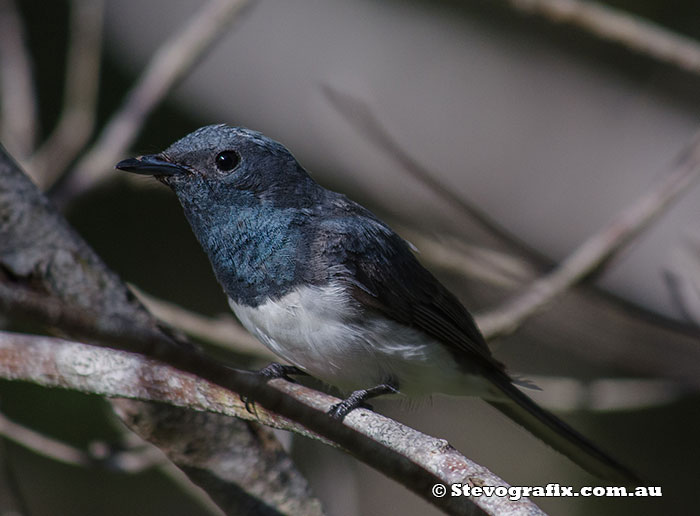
x: 561, y: 436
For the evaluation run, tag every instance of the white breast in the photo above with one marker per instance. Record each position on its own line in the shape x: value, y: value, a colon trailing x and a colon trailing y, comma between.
x: 321, y: 331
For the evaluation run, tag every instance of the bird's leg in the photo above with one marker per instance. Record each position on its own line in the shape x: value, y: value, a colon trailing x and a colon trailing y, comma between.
x: 272, y: 371
x: 358, y: 398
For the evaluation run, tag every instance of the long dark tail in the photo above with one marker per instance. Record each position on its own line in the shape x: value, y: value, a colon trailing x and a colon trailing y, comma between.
x: 561, y: 436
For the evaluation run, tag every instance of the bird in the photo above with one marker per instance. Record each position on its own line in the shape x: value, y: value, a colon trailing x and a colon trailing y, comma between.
x: 333, y: 290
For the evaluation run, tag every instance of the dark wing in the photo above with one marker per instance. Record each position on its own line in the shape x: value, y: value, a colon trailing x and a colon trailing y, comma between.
x: 385, y: 276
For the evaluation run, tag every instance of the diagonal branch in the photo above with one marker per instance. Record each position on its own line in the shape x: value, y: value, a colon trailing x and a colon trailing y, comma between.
x: 639, y: 35
x: 359, y: 114
x: 598, y: 250
x: 18, y: 114
x: 80, y: 98
x: 127, y: 461
x: 169, y: 64
x: 223, y: 331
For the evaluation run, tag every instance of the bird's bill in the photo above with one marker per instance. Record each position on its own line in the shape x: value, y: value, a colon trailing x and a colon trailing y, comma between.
x: 152, y: 165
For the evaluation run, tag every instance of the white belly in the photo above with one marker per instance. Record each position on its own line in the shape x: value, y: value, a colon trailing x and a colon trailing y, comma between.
x: 321, y: 331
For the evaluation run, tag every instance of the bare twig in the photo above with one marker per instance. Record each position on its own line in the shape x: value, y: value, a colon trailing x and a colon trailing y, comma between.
x: 598, y: 249
x: 222, y: 331
x: 586, y: 325
x: 449, y: 253
x: 58, y: 363
x: 80, y: 98
x: 127, y: 461
x: 605, y: 394
x: 169, y: 64
x: 359, y: 114
x: 18, y: 118
x: 43, y: 445
x: 608, y: 23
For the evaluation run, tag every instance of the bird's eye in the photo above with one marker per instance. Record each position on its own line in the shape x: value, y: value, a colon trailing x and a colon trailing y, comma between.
x: 227, y: 160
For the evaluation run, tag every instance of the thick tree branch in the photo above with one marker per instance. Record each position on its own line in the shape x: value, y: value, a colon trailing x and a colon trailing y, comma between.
x: 169, y: 64
x: 58, y: 363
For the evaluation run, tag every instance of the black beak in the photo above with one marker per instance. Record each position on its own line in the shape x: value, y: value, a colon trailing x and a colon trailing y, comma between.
x: 152, y: 165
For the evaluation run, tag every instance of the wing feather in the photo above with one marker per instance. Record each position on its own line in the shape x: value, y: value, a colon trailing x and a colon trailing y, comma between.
x: 385, y: 276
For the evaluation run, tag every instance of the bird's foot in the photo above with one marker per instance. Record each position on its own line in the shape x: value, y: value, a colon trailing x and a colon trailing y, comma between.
x: 275, y: 370
x: 270, y: 372
x: 358, y: 398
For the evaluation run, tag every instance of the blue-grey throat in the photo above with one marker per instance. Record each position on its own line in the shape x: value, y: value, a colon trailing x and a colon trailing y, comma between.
x: 332, y: 289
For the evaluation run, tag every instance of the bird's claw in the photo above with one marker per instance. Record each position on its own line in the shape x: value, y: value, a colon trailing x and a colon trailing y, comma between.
x: 343, y: 408
x: 249, y: 404
x: 275, y: 370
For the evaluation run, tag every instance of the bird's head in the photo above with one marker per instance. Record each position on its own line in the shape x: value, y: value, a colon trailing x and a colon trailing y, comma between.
x: 218, y: 164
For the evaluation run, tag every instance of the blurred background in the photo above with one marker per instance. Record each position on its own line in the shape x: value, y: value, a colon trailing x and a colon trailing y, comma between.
x: 543, y: 127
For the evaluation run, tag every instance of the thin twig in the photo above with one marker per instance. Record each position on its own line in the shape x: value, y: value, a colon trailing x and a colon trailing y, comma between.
x: 127, y: 461
x: 18, y: 115
x: 223, y: 330
x: 80, y: 98
x: 639, y: 35
x: 605, y: 394
x: 359, y: 114
x: 476, y: 262
x: 173, y: 60
x: 43, y: 445
x: 598, y: 250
